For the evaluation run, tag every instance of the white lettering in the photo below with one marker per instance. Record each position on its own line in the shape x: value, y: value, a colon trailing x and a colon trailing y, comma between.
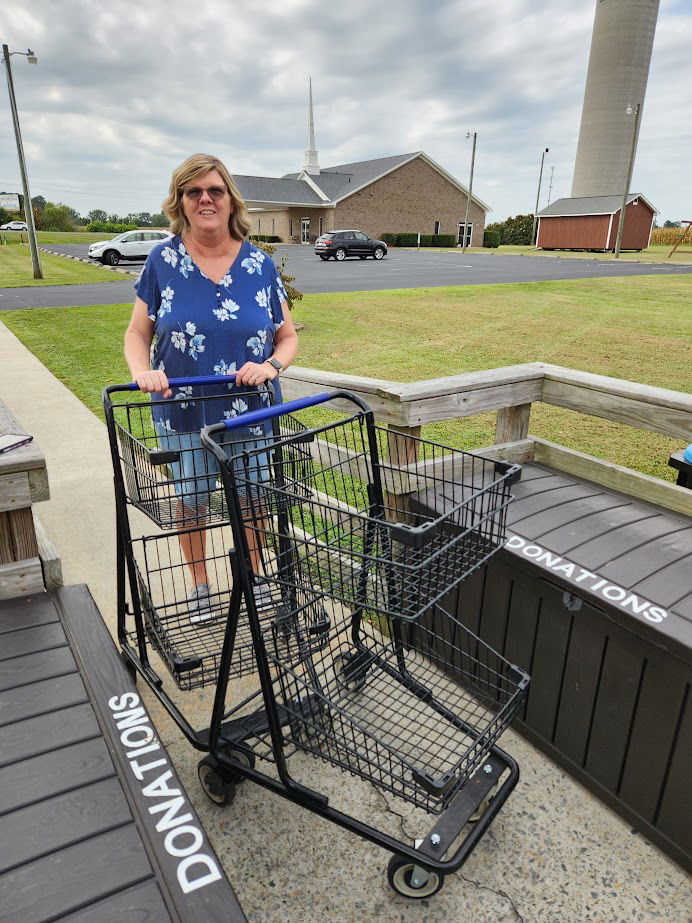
x: 532, y: 551
x: 160, y: 787
x: 655, y: 614
x: 614, y: 592
x: 127, y: 700
x: 566, y: 569
x: 638, y: 605
x: 515, y: 542
x: 191, y: 884
x: 140, y: 770
x: 173, y: 850
x: 584, y: 574
x: 549, y: 559
x: 598, y: 584
x: 142, y: 750
x: 126, y: 737
x: 169, y: 820
x: 129, y: 719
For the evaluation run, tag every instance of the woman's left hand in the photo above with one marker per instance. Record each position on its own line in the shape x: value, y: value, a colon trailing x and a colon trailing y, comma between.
x: 254, y: 373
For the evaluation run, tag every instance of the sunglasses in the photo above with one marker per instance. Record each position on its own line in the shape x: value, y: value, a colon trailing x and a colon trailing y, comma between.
x: 215, y: 192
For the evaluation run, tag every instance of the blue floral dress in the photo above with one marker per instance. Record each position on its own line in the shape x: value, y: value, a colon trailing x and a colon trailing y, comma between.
x: 206, y: 328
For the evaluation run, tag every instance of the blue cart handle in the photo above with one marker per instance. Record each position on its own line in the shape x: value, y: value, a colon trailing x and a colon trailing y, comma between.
x: 182, y: 382
x: 266, y: 413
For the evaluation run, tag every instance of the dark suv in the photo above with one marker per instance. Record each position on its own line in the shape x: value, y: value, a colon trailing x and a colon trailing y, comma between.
x: 341, y: 244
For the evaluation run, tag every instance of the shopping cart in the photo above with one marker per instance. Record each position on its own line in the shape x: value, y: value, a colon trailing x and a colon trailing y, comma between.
x: 170, y: 482
x: 361, y: 665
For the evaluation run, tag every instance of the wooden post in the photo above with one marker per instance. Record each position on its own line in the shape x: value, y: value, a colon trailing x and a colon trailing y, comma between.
x: 512, y: 423
x: 402, y: 450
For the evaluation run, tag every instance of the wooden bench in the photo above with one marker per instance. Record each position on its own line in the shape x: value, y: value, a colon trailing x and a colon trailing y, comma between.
x: 592, y: 596
x: 28, y: 561
x: 96, y: 824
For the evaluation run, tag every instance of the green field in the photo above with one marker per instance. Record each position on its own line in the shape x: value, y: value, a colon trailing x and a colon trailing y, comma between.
x: 635, y: 328
x: 16, y: 270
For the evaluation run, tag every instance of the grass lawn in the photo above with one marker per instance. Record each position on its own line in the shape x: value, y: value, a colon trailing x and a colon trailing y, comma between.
x: 633, y: 328
x: 16, y: 270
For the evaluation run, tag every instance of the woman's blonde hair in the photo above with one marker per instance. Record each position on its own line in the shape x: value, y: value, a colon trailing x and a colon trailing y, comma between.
x: 191, y: 170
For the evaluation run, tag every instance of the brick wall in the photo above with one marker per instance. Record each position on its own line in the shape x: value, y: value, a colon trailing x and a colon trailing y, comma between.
x: 261, y: 222
x: 411, y: 198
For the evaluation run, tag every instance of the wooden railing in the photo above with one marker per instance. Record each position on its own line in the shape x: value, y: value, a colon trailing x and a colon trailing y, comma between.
x: 511, y: 391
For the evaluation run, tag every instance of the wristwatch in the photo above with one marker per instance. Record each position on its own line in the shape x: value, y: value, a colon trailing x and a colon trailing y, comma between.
x: 275, y: 362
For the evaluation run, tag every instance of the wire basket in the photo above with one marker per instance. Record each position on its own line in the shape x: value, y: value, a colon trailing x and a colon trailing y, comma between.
x: 392, y: 526
x: 180, y: 486
x: 191, y: 650
x: 413, y: 709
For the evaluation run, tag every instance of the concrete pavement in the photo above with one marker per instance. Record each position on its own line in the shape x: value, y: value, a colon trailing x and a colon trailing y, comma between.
x: 554, y: 854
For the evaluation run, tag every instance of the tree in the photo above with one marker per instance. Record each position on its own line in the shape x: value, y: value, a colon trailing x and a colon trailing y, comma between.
x: 38, y: 218
x: 517, y: 230
x: 5, y: 216
x: 38, y: 202
x: 159, y: 220
x: 97, y: 214
x: 57, y: 217
x: 671, y: 224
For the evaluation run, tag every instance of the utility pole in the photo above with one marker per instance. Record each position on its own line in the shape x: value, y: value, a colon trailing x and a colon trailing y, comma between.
x: 630, y: 168
x: 468, y: 199
x: 28, y: 209
x: 538, y: 195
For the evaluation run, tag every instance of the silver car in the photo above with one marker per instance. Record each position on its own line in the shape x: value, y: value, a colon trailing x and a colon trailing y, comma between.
x: 132, y: 245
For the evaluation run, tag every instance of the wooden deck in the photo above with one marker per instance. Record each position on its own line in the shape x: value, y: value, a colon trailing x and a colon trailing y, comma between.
x: 93, y: 830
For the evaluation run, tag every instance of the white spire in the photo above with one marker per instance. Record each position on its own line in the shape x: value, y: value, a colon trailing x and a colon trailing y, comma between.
x: 310, y: 164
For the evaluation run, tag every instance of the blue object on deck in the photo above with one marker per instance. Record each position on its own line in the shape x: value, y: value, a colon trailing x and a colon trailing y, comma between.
x: 687, y: 454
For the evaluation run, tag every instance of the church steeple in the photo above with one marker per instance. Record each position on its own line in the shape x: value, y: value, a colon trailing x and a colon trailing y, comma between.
x: 310, y: 165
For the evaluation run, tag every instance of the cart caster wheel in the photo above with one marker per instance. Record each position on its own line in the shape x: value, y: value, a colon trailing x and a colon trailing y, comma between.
x: 218, y: 789
x: 480, y: 810
x: 400, y: 878
x: 348, y: 674
x: 243, y: 755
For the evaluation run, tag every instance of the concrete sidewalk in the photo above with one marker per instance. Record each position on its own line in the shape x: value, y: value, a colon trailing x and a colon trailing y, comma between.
x: 554, y: 853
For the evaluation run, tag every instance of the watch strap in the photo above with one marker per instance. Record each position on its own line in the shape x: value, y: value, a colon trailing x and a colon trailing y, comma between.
x: 275, y: 362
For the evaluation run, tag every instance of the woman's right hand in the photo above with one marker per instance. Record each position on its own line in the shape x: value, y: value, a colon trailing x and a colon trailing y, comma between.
x: 153, y: 381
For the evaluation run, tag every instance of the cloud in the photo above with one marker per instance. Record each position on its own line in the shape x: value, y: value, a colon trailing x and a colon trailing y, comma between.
x: 123, y: 93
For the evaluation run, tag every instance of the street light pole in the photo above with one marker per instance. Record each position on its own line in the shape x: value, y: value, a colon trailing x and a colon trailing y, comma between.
x: 630, y: 168
x: 538, y: 195
x: 468, y: 198
x: 28, y: 210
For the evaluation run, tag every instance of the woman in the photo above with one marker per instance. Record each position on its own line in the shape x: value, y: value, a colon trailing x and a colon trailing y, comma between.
x: 212, y: 304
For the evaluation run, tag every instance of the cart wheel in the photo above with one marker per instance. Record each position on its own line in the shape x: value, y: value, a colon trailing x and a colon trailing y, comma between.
x: 347, y: 673
x: 242, y: 754
x: 218, y: 789
x: 480, y: 810
x: 399, y: 876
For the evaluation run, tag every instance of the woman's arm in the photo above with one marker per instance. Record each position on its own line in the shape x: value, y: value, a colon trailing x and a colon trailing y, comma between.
x: 138, y: 337
x: 285, y: 351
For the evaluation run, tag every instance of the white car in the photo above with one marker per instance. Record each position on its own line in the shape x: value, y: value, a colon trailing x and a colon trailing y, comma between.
x: 14, y: 226
x: 132, y: 245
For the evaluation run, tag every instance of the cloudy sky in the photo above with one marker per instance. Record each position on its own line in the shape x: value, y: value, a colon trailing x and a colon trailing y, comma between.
x: 124, y: 91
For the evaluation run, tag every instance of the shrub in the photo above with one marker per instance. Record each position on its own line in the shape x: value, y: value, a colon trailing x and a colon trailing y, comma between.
x: 389, y: 238
x: 443, y: 240
x: 110, y: 227
x: 292, y: 294
x: 426, y: 240
x: 491, y: 239
x: 57, y: 217
x: 266, y: 238
x: 408, y: 239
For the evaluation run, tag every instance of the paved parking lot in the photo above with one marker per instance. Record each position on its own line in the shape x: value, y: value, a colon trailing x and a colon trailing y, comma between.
x: 399, y: 269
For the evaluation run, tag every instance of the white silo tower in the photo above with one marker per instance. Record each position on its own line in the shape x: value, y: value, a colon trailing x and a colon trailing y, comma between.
x: 623, y: 36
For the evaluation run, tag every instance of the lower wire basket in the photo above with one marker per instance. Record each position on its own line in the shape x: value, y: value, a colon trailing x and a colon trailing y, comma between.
x: 414, y: 709
x: 191, y: 647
